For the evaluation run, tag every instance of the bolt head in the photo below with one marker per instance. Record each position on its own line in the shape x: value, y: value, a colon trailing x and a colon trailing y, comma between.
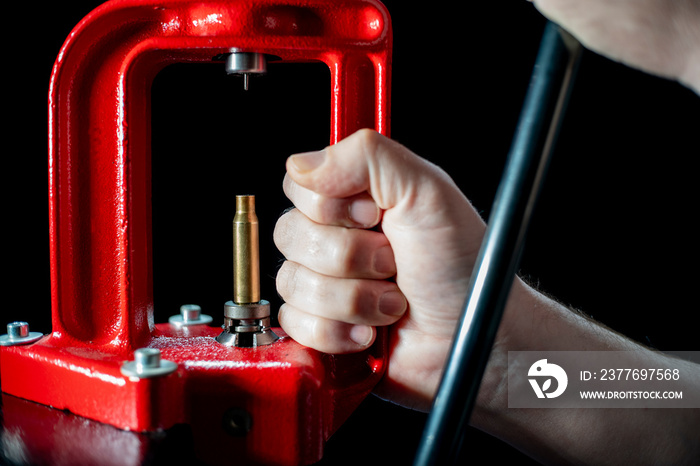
x: 18, y: 334
x: 147, y: 358
x: 146, y: 364
x: 18, y: 330
x: 190, y: 312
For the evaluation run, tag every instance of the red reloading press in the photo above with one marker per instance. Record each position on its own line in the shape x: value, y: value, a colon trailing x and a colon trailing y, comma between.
x: 106, y: 359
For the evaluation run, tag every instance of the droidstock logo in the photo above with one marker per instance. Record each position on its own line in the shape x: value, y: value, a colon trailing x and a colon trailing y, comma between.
x: 543, y: 371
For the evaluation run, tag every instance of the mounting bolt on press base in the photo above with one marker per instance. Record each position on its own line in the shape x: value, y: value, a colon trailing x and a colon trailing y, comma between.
x: 18, y: 334
x: 190, y: 314
x: 146, y: 364
x: 246, y: 317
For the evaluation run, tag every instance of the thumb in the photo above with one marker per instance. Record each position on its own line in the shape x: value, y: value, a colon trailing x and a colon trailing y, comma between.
x: 369, y: 162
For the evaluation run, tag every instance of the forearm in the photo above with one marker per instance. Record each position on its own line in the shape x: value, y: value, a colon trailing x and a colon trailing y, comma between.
x: 657, y: 36
x: 691, y: 77
x: 583, y: 435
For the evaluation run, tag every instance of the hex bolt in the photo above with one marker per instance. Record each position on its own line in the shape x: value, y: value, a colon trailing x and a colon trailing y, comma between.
x: 190, y: 314
x: 18, y: 334
x: 147, y: 363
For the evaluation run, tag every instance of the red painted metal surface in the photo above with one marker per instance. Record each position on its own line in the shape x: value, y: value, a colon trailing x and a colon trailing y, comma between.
x: 101, y: 259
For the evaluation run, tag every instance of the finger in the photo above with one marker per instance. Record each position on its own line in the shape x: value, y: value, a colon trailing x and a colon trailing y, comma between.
x: 354, y: 211
x: 353, y: 301
x: 322, y: 334
x: 334, y: 251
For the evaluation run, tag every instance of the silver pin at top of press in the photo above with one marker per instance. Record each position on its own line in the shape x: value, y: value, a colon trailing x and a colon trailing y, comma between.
x: 246, y: 64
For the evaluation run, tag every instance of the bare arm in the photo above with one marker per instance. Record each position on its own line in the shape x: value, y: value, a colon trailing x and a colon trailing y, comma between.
x: 661, y: 37
x: 581, y: 435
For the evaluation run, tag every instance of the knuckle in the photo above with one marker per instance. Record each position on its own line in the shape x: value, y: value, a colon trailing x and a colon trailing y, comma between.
x: 320, y: 336
x: 330, y: 336
x: 314, y: 243
x: 367, y: 136
x: 318, y: 291
x: 283, y: 234
x: 286, y: 280
x: 358, y: 301
x: 289, y: 187
x: 368, y: 140
x: 297, y: 325
x: 343, y: 253
x: 320, y: 208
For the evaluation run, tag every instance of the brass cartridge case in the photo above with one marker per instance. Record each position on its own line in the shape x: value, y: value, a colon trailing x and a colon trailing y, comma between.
x: 246, y: 252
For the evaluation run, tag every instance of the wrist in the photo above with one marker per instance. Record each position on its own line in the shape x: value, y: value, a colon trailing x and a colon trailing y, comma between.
x: 514, y: 334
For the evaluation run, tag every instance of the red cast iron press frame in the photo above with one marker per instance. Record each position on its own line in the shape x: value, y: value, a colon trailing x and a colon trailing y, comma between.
x: 283, y: 400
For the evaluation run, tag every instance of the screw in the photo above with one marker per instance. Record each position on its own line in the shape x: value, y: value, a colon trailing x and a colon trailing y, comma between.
x: 18, y: 330
x: 147, y: 358
x: 236, y: 422
x: 147, y: 363
x: 18, y: 334
x: 190, y: 314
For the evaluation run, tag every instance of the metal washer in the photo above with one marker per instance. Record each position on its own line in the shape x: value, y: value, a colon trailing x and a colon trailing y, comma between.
x: 166, y: 367
x: 179, y: 321
x: 6, y: 340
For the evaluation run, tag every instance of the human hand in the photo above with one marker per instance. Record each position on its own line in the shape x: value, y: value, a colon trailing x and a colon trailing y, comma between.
x: 658, y: 36
x: 343, y: 276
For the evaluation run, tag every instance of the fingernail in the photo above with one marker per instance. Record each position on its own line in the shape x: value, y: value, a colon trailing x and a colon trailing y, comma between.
x: 308, y: 161
x: 392, y: 303
x: 364, y: 212
x: 384, y: 262
x: 362, y: 335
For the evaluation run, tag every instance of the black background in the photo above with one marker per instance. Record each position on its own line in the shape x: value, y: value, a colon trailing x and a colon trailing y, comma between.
x: 613, y: 235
